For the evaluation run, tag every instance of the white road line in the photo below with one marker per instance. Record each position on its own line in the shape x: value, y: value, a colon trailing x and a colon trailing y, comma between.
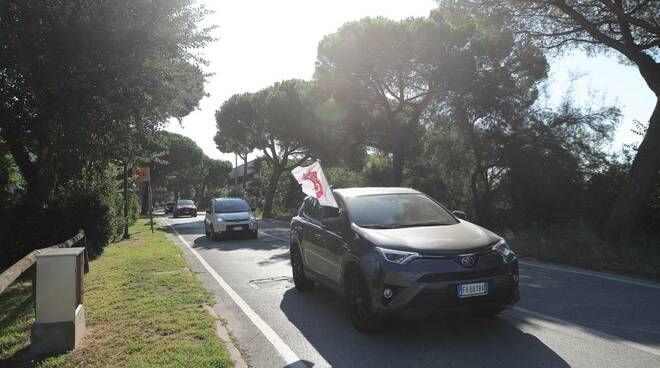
x: 590, y: 273
x: 285, y: 351
x: 544, y: 320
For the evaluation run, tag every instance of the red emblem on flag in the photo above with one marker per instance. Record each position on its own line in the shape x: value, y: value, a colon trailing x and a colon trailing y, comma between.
x: 318, y: 187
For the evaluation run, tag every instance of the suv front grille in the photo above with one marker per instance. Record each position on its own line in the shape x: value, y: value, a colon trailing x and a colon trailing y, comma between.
x: 464, y: 275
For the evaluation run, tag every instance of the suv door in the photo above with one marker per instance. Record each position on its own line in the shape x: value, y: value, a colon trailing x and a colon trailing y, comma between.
x: 334, y: 245
x: 312, y: 235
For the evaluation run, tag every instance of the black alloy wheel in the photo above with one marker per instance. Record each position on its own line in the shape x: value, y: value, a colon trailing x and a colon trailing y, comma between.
x: 299, y: 278
x: 362, y: 315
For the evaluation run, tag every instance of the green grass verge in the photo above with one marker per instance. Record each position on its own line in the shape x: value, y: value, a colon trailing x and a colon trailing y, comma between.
x: 143, y: 309
x: 16, y: 319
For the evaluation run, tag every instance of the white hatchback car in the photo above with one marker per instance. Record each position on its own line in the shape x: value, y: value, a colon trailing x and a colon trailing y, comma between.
x: 230, y: 216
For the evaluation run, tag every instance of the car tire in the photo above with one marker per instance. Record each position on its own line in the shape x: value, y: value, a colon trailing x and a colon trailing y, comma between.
x: 206, y: 231
x: 362, y: 315
x: 254, y: 235
x: 214, y: 235
x: 300, y: 280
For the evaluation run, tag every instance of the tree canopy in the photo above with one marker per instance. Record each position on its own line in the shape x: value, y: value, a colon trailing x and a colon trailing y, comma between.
x: 77, y: 78
x: 629, y: 28
x: 276, y: 120
x: 394, y: 70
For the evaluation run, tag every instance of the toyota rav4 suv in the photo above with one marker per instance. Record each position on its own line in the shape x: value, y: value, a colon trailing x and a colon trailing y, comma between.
x: 396, y: 251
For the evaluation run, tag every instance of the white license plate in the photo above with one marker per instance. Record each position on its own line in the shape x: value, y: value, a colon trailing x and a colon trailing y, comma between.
x: 473, y: 289
x: 237, y: 228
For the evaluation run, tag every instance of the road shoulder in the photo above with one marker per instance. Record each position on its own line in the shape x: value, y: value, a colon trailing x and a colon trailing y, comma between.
x: 254, y: 348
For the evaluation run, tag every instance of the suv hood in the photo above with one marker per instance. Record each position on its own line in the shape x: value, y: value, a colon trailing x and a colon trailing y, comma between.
x: 431, y: 240
x: 233, y: 216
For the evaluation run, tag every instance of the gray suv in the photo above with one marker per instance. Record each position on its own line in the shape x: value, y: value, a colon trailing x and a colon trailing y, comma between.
x: 396, y: 251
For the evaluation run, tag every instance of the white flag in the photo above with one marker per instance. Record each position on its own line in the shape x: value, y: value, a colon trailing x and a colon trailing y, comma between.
x: 314, y: 183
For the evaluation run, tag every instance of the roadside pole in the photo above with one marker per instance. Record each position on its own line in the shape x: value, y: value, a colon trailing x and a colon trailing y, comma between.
x: 151, y: 207
x: 143, y: 176
x: 126, y: 235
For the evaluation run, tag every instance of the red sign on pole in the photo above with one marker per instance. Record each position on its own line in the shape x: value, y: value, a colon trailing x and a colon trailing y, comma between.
x: 142, y: 174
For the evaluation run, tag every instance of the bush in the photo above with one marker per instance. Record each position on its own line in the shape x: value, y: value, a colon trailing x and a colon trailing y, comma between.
x: 93, y: 204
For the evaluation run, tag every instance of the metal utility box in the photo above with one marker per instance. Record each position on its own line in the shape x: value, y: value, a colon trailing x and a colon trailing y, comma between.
x: 60, y: 322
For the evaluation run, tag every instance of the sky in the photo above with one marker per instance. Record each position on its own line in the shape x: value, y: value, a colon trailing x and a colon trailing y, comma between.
x: 262, y: 42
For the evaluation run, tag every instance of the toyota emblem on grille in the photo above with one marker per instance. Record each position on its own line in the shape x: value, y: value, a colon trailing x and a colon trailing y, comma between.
x: 467, y: 261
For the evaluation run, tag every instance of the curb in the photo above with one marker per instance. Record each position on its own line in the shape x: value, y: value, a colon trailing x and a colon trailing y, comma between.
x: 223, y: 334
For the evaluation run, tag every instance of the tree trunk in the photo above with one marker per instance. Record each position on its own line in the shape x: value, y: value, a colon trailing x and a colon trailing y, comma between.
x: 270, y: 192
x: 245, y: 170
x: 201, y: 193
x: 401, y: 137
x: 630, y: 205
x: 144, y: 208
x: 398, y: 160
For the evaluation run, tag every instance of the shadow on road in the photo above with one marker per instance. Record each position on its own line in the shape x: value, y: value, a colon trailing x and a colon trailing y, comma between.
x: 451, y: 342
x: 235, y: 243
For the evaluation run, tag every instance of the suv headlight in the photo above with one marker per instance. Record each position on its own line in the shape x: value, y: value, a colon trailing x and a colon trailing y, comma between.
x: 503, y: 248
x: 397, y: 256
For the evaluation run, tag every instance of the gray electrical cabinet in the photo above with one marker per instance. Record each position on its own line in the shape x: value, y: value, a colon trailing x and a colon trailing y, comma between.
x: 60, y: 322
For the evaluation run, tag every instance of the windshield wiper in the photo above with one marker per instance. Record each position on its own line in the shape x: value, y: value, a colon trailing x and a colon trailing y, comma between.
x: 378, y: 226
x: 427, y: 223
x: 398, y: 226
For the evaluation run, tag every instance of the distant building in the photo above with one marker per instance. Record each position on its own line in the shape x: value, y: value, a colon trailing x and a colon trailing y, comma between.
x: 237, y: 176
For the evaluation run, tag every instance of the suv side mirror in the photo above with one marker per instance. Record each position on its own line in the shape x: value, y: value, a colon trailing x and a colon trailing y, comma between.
x: 460, y: 214
x: 333, y: 223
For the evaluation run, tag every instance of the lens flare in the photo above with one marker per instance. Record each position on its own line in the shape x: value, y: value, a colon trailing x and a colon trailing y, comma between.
x: 330, y: 111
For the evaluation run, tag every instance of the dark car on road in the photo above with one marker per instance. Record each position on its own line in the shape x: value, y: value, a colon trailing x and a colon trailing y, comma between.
x: 185, y: 207
x: 227, y: 216
x: 169, y: 207
x: 397, y: 252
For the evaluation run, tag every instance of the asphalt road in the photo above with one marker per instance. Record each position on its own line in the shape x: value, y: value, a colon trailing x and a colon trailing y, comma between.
x: 567, y: 317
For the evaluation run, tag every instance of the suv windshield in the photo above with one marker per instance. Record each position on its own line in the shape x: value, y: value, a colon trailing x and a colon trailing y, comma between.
x: 185, y: 202
x: 397, y: 210
x: 231, y: 205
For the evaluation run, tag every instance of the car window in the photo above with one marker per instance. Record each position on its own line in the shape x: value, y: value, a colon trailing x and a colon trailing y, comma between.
x: 314, y: 210
x: 185, y: 202
x: 231, y: 205
x: 327, y: 212
x: 397, y: 210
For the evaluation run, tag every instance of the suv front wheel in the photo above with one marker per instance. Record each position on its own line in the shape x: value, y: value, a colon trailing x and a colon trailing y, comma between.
x: 362, y: 315
x: 299, y: 278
